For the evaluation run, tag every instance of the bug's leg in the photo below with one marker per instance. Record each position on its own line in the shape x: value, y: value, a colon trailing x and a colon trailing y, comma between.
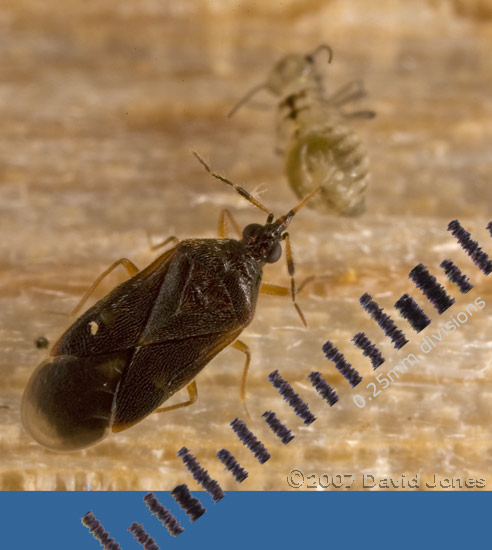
x: 360, y: 114
x: 308, y: 280
x: 349, y: 277
x: 192, y: 392
x: 172, y: 239
x: 274, y: 290
x: 352, y: 91
x: 224, y: 219
x: 125, y: 262
x: 290, y: 267
x: 241, y: 346
x: 278, y: 290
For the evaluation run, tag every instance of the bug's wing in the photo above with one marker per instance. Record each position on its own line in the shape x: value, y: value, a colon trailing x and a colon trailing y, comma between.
x: 192, y: 320
x: 117, y: 320
x: 168, y: 366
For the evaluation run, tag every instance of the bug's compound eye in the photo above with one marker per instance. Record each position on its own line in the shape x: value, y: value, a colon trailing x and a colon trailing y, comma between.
x: 275, y: 254
x: 252, y: 230
x: 67, y: 404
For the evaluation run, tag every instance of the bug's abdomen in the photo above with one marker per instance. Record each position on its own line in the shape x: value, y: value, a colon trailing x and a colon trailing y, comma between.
x: 69, y: 401
x: 331, y: 156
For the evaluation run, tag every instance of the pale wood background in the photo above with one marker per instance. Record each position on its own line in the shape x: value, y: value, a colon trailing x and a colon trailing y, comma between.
x: 100, y: 105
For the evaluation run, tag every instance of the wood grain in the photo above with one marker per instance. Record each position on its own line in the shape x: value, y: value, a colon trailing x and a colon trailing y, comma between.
x: 100, y: 106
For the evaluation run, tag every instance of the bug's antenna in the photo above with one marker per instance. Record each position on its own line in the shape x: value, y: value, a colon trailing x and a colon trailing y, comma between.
x: 239, y: 189
x: 246, y: 98
x: 291, y: 213
x: 311, y: 56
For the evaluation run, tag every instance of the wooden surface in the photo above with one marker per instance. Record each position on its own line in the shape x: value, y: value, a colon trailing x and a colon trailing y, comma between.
x: 100, y: 106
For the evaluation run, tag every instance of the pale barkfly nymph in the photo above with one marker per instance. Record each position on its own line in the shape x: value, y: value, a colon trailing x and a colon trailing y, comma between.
x: 313, y: 134
x: 150, y: 337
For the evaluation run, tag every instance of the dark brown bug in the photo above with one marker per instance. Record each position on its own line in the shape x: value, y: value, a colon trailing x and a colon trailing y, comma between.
x: 152, y: 334
x: 319, y: 148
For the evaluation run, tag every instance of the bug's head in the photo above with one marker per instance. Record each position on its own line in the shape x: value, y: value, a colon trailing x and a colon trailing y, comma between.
x: 263, y: 241
x: 295, y: 71
x: 290, y: 74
